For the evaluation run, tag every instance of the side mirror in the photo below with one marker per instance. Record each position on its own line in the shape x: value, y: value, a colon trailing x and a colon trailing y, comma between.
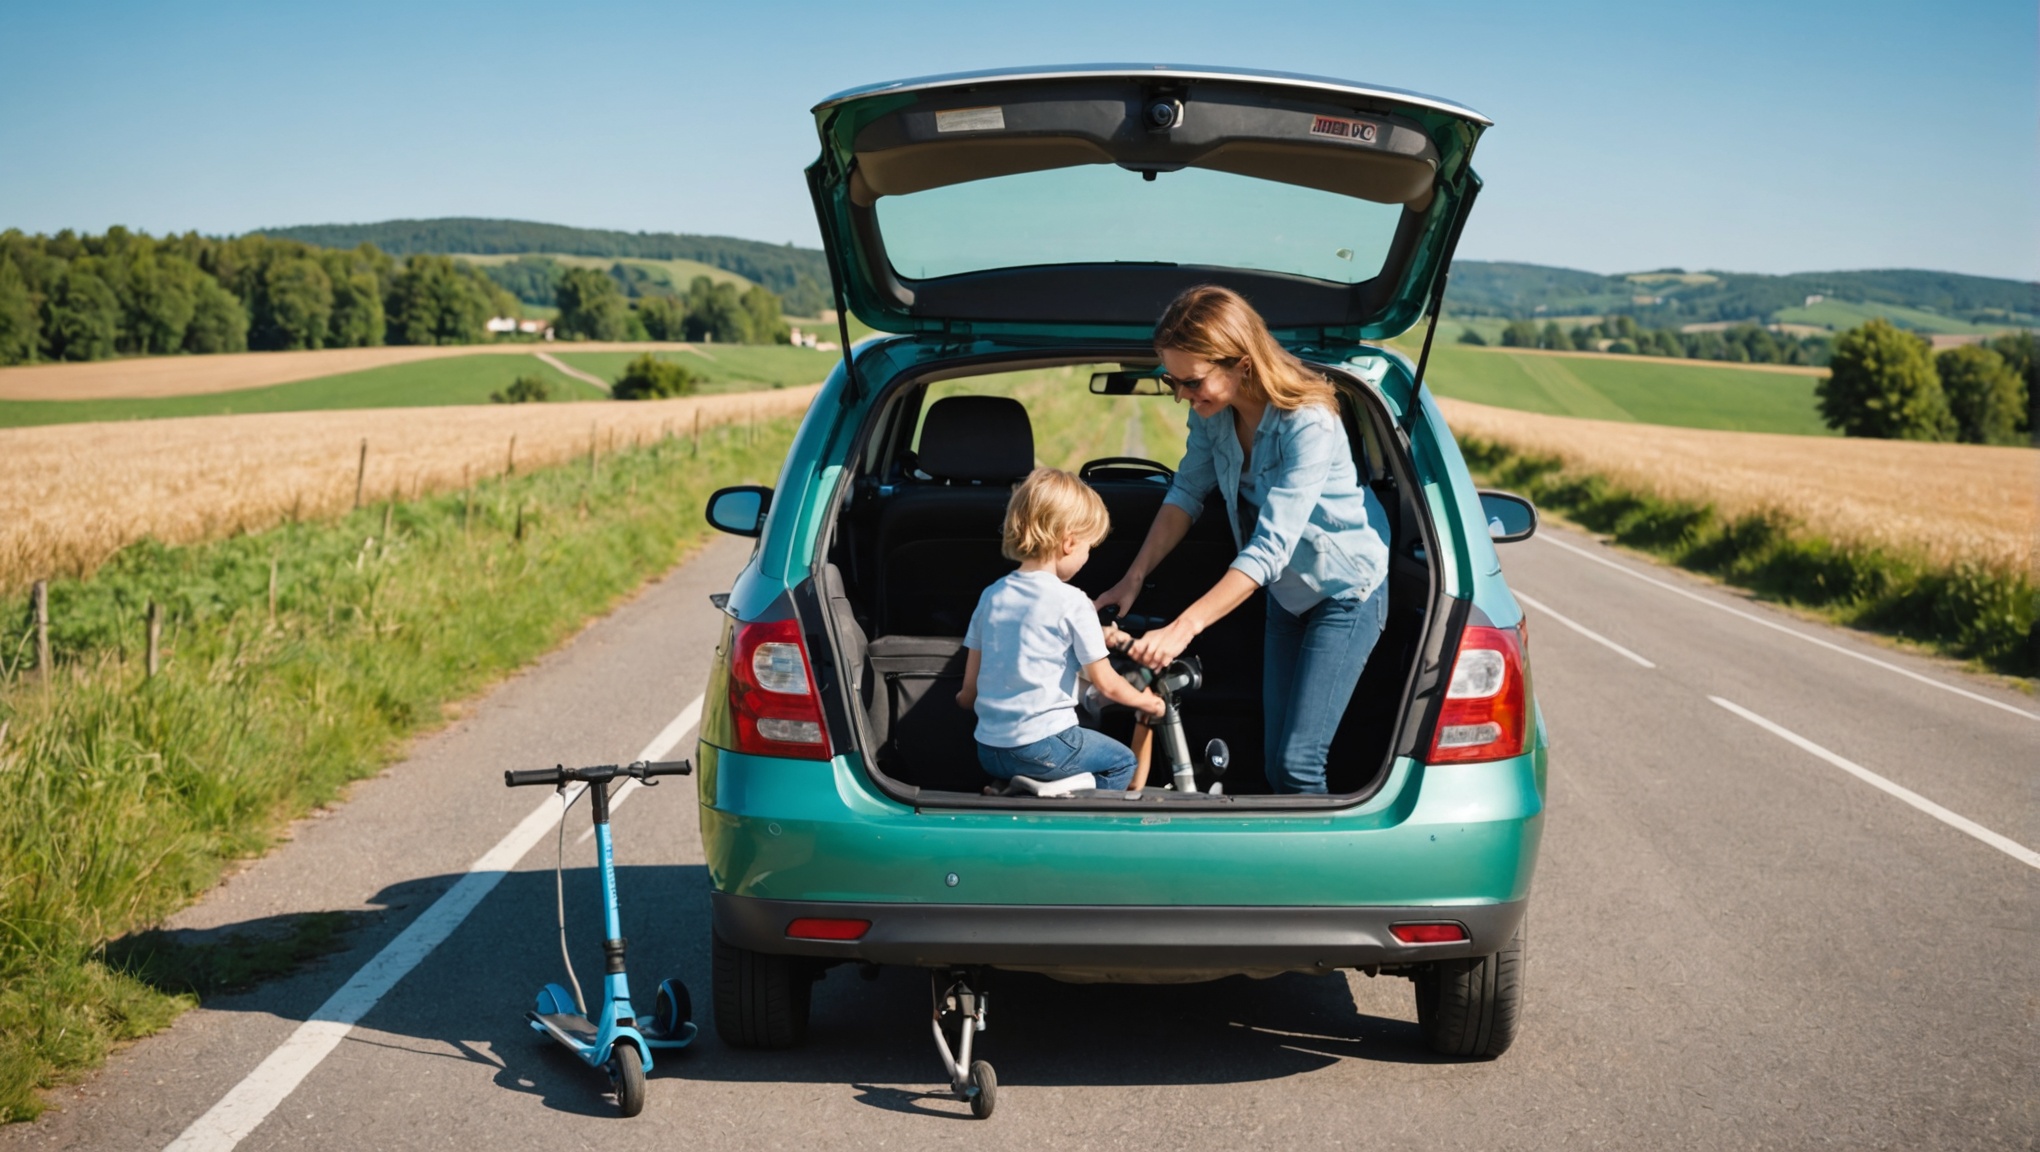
x: 740, y: 510
x: 1509, y: 517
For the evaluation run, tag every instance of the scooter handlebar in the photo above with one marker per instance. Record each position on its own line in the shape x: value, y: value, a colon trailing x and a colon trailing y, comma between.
x: 561, y: 774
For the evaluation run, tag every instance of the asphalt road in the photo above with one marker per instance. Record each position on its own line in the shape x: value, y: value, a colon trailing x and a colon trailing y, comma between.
x: 1737, y: 941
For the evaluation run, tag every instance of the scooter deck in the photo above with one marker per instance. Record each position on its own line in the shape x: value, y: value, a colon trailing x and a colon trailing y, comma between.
x: 571, y: 1026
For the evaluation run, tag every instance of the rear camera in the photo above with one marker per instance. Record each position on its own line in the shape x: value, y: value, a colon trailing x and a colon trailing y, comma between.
x: 1162, y: 115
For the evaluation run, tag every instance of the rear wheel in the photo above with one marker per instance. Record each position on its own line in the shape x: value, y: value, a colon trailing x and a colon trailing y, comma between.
x: 1470, y: 1007
x: 761, y: 1000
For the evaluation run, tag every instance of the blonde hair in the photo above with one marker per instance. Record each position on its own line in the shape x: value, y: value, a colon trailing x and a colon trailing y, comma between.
x: 1217, y: 324
x: 1047, y: 506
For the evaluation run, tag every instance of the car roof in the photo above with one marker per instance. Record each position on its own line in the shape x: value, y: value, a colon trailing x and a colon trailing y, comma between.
x: 1161, y: 71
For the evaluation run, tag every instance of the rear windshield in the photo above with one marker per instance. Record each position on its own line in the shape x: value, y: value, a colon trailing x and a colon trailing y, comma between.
x: 1100, y: 213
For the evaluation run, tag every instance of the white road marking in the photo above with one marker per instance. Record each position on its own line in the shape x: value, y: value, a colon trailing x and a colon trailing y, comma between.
x: 1793, y: 632
x: 2006, y: 845
x: 251, y: 1101
x: 1582, y: 629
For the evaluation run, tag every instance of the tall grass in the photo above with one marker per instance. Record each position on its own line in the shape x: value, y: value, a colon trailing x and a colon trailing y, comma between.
x: 1972, y: 609
x: 123, y: 797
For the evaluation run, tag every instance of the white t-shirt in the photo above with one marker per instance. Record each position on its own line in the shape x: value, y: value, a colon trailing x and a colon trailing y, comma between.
x: 1034, y: 632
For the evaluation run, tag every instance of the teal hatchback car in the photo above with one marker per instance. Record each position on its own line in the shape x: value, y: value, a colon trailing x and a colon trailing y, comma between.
x: 1014, y: 236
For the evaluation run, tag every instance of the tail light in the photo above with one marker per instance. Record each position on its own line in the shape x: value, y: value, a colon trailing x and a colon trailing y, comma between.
x: 772, y: 693
x: 1486, y: 712
x: 816, y: 928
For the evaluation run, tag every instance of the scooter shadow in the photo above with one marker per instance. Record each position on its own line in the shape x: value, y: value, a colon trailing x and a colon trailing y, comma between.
x: 466, y: 1001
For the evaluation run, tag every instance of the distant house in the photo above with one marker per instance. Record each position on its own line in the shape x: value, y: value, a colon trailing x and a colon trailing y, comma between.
x: 505, y: 325
x: 802, y: 339
x: 1814, y: 299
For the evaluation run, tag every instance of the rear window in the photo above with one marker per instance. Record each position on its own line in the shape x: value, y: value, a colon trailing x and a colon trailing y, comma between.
x: 1100, y: 213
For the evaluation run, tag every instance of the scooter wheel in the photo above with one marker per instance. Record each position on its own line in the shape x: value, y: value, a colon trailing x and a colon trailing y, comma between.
x: 986, y: 1097
x: 627, y: 1076
x: 673, y: 1007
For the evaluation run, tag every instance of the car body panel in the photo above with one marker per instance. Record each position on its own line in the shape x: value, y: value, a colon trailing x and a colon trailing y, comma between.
x: 815, y: 830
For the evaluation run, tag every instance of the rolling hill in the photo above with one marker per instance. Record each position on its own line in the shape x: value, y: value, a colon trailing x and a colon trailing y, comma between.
x: 780, y: 267
x: 1668, y: 298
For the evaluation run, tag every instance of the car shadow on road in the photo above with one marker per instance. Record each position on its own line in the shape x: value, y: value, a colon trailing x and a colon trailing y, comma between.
x: 466, y: 1001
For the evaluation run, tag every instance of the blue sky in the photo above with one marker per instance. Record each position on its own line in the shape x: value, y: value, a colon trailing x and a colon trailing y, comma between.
x: 1745, y: 136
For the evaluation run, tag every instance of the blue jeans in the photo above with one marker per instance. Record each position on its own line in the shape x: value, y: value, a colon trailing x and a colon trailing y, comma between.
x: 1310, y: 664
x: 1066, y: 753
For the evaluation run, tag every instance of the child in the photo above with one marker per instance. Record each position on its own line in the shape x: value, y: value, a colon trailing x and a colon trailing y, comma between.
x: 1030, y: 636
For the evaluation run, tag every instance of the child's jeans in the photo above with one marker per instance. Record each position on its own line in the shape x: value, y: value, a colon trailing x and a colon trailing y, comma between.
x: 1066, y: 753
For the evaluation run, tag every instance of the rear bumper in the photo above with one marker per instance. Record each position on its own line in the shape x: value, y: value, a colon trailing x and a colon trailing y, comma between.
x: 1111, y: 939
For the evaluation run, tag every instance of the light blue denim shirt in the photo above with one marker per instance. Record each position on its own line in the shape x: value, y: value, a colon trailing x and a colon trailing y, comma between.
x: 1317, y: 534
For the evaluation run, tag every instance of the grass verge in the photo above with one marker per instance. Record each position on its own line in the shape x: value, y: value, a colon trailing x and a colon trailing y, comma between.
x: 122, y: 796
x: 1973, y: 611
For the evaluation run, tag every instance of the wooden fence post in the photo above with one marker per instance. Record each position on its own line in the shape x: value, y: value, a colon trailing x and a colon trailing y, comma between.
x: 696, y: 449
x: 272, y: 591
x: 510, y: 466
x: 591, y: 452
x: 360, y: 472
x: 41, y: 596
x: 156, y: 637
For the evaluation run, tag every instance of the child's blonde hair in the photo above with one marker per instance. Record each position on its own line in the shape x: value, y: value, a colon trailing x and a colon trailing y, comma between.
x: 1047, y: 506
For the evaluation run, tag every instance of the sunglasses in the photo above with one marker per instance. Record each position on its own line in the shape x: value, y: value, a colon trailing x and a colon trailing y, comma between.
x: 1196, y: 383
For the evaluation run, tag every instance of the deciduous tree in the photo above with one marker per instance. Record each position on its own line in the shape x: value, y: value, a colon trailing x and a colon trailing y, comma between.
x: 591, y: 306
x: 1881, y: 383
x: 649, y: 378
x: 1983, y: 394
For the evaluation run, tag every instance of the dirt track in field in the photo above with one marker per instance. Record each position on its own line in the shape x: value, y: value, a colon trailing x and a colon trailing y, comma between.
x: 156, y: 376
x: 1955, y: 501
x: 74, y: 494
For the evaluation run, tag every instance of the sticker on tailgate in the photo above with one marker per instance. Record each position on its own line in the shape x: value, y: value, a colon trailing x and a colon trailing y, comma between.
x: 971, y: 119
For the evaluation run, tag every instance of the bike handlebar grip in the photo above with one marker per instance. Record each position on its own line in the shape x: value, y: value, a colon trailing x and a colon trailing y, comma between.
x: 534, y: 776
x: 669, y: 768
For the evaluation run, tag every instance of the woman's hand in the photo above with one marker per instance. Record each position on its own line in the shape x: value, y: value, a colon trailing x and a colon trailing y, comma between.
x: 1120, y: 595
x: 1163, y: 644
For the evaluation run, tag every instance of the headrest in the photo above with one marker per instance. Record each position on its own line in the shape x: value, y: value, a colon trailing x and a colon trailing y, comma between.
x: 984, y: 438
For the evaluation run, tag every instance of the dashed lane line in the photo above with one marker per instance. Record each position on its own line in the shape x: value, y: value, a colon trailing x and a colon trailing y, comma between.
x: 1792, y: 632
x: 2004, y: 844
x: 1582, y: 629
x: 251, y: 1101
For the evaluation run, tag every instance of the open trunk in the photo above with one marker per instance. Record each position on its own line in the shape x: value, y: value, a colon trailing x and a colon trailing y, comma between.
x: 916, y: 540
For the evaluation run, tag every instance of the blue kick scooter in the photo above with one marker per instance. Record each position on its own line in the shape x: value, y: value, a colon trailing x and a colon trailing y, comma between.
x: 617, y: 1041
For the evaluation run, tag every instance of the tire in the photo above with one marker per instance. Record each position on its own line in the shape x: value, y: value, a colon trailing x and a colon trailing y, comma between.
x: 1469, y: 1008
x: 761, y: 1000
x: 673, y: 1007
x: 987, y: 1084
x: 627, y: 1076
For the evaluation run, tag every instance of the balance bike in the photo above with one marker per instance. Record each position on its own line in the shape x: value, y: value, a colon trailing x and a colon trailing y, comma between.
x: 1183, y: 674
x: 617, y: 1041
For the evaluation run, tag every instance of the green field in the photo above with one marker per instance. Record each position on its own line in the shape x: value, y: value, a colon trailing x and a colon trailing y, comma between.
x: 1843, y: 314
x: 426, y: 383
x: 682, y: 272
x: 729, y: 367
x: 1684, y: 393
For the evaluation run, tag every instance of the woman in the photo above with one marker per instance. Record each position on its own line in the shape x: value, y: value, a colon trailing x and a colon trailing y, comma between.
x: 1265, y: 435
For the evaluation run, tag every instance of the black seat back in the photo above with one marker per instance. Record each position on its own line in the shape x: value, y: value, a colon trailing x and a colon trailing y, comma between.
x: 938, y: 539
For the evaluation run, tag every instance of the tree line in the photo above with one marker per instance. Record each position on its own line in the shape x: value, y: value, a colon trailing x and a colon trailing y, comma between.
x: 1888, y: 383
x: 72, y: 297
x: 1740, y: 343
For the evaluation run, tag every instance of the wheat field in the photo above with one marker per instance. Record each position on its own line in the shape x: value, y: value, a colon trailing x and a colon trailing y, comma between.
x: 1953, y: 502
x: 71, y: 495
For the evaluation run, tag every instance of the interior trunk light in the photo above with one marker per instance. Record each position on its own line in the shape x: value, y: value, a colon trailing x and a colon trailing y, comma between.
x: 816, y: 928
x: 772, y: 694
x: 1486, y: 711
x: 1428, y: 933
